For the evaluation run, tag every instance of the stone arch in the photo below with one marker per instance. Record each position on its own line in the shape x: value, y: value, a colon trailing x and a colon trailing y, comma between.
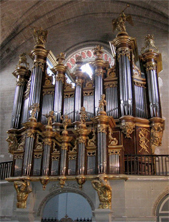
x: 59, y: 191
x: 158, y: 200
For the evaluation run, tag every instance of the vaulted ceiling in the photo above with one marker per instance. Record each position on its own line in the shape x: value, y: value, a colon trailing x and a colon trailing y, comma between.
x: 72, y: 22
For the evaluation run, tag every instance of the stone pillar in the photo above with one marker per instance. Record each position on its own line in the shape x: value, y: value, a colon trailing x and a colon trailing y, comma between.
x: 39, y: 55
x: 99, y: 64
x: 59, y: 71
x: 21, y: 73
x: 150, y: 56
x: 103, y: 215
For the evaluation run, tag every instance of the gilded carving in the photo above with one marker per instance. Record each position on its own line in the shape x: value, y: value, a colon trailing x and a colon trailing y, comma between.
x: 34, y: 108
x: 92, y: 142
x: 119, y: 23
x: 91, y: 153
x: 79, y: 82
x: 102, y: 103
x: 38, y: 145
x: 39, y: 64
x: 149, y: 44
x: 156, y: 134
x: 82, y: 139
x: 30, y: 133
x: 114, y: 152
x: 112, y: 141
x: 26, y: 94
x: 21, y: 144
x: 111, y: 84
x: 40, y: 36
x: 66, y: 121
x: 98, y: 51
x: 83, y: 115
x: 20, y: 81
x: 111, y: 74
x: 18, y: 156
x: 37, y: 155
x: 102, y: 128
x: 123, y: 51
x: 151, y: 66
x: 50, y: 117
x: 140, y: 84
x: 104, y: 192
x: 127, y: 128
x: 12, y: 143
x: 23, y: 61
x: 23, y: 189
x: 143, y: 140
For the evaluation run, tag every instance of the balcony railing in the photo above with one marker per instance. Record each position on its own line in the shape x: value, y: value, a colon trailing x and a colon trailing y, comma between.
x: 147, y: 165
x: 133, y: 165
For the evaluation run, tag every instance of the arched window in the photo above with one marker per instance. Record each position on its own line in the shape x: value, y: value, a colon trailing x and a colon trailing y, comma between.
x: 163, y: 210
x: 67, y: 205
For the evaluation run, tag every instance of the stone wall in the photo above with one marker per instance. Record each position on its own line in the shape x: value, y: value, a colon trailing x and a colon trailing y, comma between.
x: 135, y: 199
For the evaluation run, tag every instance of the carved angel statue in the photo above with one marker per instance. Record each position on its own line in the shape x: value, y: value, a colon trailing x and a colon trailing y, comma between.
x: 12, y: 143
x: 40, y: 36
x: 104, y: 192
x: 66, y: 121
x: 23, y: 60
x: 83, y: 115
x: 149, y: 44
x: 23, y: 189
x: 34, y: 108
x: 102, y: 103
x: 119, y: 23
x: 50, y: 117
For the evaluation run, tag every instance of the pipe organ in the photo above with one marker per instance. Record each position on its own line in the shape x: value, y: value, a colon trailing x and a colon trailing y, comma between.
x: 60, y: 132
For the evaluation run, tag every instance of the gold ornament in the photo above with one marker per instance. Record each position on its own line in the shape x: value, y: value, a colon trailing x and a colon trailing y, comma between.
x: 104, y: 192
x: 127, y: 128
x: 156, y: 134
x: 23, y: 189
x: 144, y: 142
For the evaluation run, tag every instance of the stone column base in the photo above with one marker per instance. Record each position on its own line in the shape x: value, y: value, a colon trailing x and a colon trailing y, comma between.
x: 103, y: 215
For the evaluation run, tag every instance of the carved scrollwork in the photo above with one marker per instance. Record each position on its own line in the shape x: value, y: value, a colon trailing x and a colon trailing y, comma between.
x: 92, y: 142
x: 102, y: 128
x: 23, y: 189
x: 156, y: 134
x: 127, y: 128
x: 81, y: 139
x: 21, y: 144
x: 38, y: 144
x: 104, y: 192
x: 112, y: 141
x: 143, y: 140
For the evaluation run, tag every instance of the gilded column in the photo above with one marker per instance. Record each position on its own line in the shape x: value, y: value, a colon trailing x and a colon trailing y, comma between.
x: 30, y: 126
x: 39, y: 55
x: 48, y: 134
x: 59, y: 71
x: 150, y: 55
x: 99, y: 64
x: 102, y: 124
x: 21, y: 73
x: 78, y: 88
x: 64, y: 149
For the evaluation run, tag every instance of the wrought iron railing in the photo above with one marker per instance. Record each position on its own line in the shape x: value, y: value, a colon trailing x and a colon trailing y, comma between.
x: 66, y: 220
x: 133, y: 165
x: 5, y: 169
x: 147, y: 165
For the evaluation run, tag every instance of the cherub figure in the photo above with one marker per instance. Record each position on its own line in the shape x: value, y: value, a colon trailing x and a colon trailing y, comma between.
x: 83, y: 115
x: 50, y: 117
x: 102, y: 103
x: 119, y: 23
x: 66, y: 121
x: 23, y: 189
x: 34, y: 108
